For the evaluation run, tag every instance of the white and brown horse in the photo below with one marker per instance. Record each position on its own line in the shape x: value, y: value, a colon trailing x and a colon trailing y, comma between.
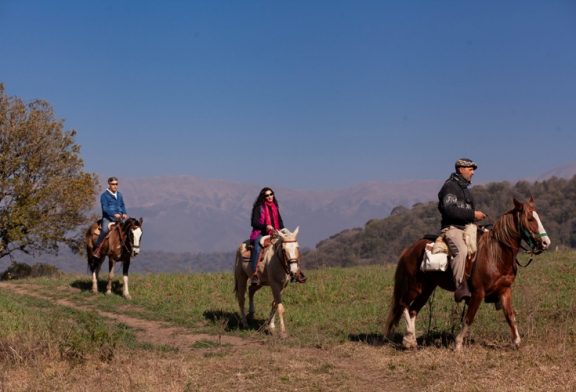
x: 120, y: 245
x: 280, y: 263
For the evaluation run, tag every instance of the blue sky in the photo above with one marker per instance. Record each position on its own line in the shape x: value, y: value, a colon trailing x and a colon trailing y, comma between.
x: 303, y: 94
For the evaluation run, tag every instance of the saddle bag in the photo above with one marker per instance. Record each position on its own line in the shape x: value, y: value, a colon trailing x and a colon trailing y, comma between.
x: 433, y: 261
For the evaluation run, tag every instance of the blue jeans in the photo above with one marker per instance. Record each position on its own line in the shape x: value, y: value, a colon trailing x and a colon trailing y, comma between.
x: 103, y: 231
x: 255, y: 252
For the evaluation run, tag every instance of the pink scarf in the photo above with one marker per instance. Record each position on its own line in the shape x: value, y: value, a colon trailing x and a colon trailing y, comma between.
x: 267, y: 207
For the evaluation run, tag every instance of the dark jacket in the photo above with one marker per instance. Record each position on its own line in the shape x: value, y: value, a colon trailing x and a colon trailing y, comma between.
x: 455, y: 202
x: 258, y: 224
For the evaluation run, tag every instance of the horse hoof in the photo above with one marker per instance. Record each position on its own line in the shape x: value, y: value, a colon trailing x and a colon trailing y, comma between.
x: 127, y: 296
x: 108, y: 292
x: 409, y: 342
x: 283, y: 335
x: 270, y: 331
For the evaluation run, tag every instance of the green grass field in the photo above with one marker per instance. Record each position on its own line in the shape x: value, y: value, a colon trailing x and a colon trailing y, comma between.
x: 336, y: 308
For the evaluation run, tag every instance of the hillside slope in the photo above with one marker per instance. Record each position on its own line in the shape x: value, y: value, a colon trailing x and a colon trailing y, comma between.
x: 382, y: 240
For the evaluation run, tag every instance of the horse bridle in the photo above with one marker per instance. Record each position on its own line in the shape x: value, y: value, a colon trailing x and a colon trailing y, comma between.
x: 528, y: 237
x: 123, y: 243
x: 286, y: 260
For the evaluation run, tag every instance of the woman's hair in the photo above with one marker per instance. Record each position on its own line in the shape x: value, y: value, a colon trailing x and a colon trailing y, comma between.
x: 260, y: 199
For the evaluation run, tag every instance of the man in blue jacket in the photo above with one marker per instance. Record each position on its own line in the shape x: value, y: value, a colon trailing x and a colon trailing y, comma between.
x: 113, y: 210
x: 458, y: 209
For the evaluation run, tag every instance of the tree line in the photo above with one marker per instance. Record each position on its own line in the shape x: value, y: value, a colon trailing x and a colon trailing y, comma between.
x: 382, y: 240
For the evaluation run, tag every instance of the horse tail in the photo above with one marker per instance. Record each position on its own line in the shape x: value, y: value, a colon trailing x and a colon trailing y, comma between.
x: 237, y: 267
x: 395, y: 310
x: 89, y: 238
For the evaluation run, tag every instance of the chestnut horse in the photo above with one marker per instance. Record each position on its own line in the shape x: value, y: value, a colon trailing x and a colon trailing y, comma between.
x: 491, y: 276
x: 120, y: 245
x: 280, y: 262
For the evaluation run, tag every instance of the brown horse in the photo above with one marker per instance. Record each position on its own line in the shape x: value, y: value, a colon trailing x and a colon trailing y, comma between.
x: 120, y: 245
x: 492, y: 273
x: 280, y: 262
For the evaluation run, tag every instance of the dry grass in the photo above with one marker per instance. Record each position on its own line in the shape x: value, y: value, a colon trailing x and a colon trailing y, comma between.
x: 245, y: 360
x: 275, y: 367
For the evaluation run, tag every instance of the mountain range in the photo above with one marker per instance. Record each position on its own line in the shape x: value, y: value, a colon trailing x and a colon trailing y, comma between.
x: 191, y: 214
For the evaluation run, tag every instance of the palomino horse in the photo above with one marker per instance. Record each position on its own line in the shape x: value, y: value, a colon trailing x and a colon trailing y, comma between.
x: 280, y: 262
x: 492, y: 273
x: 121, y: 243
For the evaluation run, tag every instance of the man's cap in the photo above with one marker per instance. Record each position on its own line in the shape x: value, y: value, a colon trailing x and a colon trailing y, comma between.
x: 466, y: 162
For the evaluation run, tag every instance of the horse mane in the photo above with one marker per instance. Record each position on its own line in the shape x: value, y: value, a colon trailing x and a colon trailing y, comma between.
x: 504, y: 232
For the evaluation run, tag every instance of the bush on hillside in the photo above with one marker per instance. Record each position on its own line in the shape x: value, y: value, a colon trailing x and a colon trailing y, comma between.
x: 23, y: 270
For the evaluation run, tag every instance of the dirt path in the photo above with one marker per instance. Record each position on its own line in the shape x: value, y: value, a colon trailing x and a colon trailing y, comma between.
x: 231, y: 363
x: 148, y: 331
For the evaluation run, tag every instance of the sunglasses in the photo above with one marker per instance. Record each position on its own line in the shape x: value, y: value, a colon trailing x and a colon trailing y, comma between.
x: 268, y: 194
x: 113, y: 183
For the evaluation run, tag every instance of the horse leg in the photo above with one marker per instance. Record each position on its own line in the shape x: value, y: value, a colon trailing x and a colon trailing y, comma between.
x: 125, y: 291
x: 110, y: 275
x: 240, y: 288
x: 473, y: 306
x: 95, y: 271
x: 271, y: 324
x: 506, y: 299
x: 251, y: 290
x: 409, y: 339
x: 280, y: 312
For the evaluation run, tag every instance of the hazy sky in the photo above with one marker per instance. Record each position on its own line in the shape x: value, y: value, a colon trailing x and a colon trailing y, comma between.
x: 303, y: 94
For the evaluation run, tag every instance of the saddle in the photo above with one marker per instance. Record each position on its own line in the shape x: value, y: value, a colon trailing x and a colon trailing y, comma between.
x: 437, y: 252
x: 247, y: 246
x: 98, y: 227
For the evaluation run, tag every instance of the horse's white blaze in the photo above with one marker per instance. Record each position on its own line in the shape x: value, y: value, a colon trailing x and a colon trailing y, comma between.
x: 291, y: 249
x: 545, y: 239
x: 292, y: 253
x: 136, y: 235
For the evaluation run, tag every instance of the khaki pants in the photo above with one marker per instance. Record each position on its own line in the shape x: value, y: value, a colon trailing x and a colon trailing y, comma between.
x: 459, y: 250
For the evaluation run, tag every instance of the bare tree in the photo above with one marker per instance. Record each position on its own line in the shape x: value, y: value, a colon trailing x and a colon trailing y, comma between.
x: 45, y: 195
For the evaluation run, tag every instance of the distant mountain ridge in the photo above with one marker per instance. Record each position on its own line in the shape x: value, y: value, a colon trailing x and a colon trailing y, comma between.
x: 190, y: 214
x: 565, y: 171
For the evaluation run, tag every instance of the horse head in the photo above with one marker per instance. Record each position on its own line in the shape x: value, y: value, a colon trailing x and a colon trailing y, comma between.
x: 133, y: 229
x: 530, y: 226
x: 290, y: 250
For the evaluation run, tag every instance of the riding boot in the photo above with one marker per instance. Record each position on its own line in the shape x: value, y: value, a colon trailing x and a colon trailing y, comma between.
x: 255, y: 280
x: 462, y: 292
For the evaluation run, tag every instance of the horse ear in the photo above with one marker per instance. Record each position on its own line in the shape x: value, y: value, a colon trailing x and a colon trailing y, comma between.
x: 141, y: 221
x: 517, y: 205
x: 280, y: 234
x: 296, y: 230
